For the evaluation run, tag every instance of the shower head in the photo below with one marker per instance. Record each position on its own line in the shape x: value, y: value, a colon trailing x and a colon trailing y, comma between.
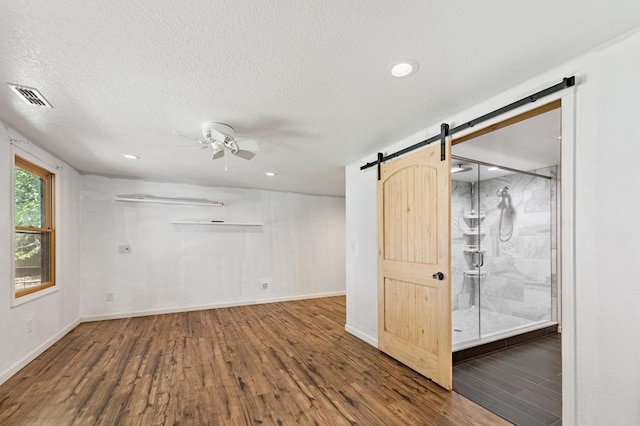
x: 503, y: 192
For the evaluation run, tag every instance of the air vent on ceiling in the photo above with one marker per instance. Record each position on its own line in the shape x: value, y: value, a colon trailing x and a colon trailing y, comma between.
x: 30, y: 95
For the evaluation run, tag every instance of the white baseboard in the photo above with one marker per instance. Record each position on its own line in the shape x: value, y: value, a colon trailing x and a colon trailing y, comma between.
x: 373, y: 341
x: 173, y: 310
x: 5, y: 375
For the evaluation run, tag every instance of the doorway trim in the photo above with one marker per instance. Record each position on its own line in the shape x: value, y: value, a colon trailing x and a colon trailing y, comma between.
x: 566, y: 260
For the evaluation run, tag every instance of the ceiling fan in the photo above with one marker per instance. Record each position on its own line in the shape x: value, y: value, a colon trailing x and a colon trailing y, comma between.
x: 221, y: 137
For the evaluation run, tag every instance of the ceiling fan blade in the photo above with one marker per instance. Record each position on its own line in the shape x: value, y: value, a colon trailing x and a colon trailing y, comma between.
x: 187, y: 137
x: 247, y: 155
x: 193, y: 147
x: 248, y: 145
x: 218, y: 154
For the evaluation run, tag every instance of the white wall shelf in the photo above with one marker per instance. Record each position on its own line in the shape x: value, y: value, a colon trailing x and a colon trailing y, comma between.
x: 214, y: 222
x: 143, y: 198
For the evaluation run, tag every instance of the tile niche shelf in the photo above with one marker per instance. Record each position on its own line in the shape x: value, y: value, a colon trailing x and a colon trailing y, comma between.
x: 214, y: 222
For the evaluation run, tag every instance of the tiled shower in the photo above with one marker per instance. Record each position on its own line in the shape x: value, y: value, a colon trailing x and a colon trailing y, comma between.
x: 515, y: 288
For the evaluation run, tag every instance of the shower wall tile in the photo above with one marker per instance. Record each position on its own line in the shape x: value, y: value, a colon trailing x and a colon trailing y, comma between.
x: 537, y: 294
x: 464, y: 300
x: 495, y: 304
x: 503, y: 288
x: 531, y: 311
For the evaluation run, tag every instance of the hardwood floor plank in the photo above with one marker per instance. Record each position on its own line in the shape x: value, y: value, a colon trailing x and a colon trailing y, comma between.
x: 280, y: 363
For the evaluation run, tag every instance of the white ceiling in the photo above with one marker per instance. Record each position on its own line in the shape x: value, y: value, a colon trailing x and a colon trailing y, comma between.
x: 527, y: 146
x: 307, y: 79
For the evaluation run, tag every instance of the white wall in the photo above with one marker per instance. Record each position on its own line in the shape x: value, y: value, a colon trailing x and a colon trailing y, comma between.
x: 607, y: 239
x: 55, y: 313
x: 299, y: 250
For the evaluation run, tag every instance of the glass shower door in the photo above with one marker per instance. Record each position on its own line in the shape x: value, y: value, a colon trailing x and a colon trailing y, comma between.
x: 503, y: 250
x: 515, y: 275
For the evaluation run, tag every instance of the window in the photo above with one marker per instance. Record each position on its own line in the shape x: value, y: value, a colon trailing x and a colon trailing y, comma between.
x: 34, y: 249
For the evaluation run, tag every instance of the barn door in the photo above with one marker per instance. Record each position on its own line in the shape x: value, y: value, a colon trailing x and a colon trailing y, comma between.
x: 414, y: 266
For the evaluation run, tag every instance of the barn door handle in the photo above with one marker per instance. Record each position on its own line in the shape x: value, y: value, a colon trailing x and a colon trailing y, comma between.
x: 438, y: 276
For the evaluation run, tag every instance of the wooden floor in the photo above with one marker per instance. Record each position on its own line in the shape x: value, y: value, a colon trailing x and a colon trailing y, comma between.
x: 523, y: 384
x: 280, y: 363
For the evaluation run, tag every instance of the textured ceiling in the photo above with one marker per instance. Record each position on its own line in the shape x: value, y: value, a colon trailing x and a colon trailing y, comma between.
x: 306, y: 79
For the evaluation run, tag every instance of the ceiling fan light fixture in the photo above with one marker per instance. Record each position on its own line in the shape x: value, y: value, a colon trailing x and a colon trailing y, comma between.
x: 131, y: 156
x: 270, y: 174
x: 218, y: 152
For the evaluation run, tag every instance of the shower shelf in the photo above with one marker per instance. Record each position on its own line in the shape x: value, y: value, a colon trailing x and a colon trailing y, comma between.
x: 474, y: 215
x: 473, y: 219
x: 472, y: 250
x: 473, y: 273
x: 473, y: 231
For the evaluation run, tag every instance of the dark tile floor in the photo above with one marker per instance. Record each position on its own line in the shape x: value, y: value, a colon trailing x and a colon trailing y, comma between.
x: 523, y: 383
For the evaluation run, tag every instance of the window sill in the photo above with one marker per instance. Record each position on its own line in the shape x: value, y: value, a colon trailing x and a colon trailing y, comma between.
x: 32, y: 296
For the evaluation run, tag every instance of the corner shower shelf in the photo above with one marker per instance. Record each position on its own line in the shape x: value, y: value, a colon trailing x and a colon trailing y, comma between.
x: 473, y: 231
x: 470, y: 249
x: 214, y: 222
x: 474, y: 273
x: 474, y: 215
x: 473, y: 219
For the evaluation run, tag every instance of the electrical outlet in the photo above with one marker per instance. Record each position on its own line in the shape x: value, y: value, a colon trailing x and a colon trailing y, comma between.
x: 265, y: 285
x: 109, y: 296
x: 29, y: 326
x: 124, y: 249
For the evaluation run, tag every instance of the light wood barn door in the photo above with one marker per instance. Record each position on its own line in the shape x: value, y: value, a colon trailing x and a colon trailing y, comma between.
x: 414, y: 300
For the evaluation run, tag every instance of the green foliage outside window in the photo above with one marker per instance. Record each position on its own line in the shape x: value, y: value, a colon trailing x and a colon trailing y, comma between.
x: 29, y: 205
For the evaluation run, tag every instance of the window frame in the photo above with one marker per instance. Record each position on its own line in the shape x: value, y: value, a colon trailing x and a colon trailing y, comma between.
x: 49, y: 198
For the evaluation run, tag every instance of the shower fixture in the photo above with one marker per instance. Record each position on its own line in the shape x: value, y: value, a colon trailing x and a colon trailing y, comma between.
x: 503, y: 192
x: 506, y: 213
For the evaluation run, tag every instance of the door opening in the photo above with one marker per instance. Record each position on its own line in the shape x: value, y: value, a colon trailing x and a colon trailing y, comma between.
x: 506, y: 285
x: 505, y: 235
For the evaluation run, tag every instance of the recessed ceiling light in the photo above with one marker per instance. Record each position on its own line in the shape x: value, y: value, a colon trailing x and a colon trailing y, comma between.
x: 131, y: 156
x: 404, y: 68
x: 270, y: 174
x: 491, y: 169
x: 460, y: 168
